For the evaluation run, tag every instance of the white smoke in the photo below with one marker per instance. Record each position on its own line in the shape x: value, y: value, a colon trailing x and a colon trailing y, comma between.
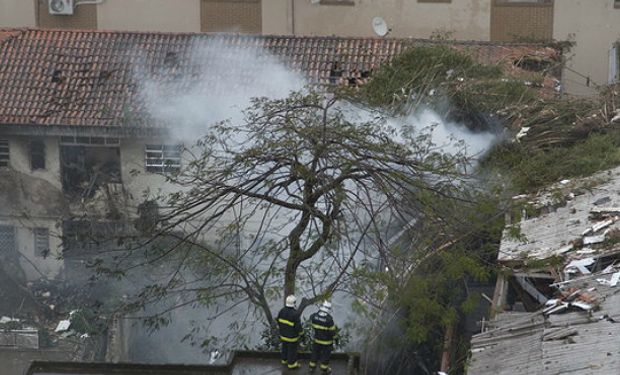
x: 222, y: 87
x: 223, y: 81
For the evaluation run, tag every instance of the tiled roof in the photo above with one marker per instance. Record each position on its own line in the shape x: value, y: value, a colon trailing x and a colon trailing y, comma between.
x: 75, y: 77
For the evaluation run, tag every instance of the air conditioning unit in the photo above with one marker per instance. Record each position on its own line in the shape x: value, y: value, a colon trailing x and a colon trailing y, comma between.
x: 60, y: 7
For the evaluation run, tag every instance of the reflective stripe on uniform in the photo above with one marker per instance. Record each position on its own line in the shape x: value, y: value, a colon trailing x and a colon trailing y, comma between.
x: 294, y: 365
x: 287, y: 322
x: 289, y: 339
x: 312, y: 364
x: 323, y: 342
x: 318, y: 326
x: 324, y: 367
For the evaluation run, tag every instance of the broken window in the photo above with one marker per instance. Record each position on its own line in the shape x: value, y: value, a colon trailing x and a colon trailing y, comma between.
x: 87, y: 164
x: 41, y: 242
x: 163, y: 158
x: 37, y: 154
x: 4, y: 153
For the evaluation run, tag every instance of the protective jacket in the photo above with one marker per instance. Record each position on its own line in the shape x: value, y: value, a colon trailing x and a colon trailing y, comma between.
x: 324, y: 328
x: 289, y: 324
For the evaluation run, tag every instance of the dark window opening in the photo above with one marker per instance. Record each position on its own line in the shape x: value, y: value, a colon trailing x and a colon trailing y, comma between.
x: 4, y: 153
x: 163, y: 158
x: 37, y: 154
x: 84, y: 169
x: 533, y: 64
x: 57, y: 76
x: 41, y: 242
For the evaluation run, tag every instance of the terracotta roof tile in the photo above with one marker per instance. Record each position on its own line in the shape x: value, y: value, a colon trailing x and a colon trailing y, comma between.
x: 90, y: 78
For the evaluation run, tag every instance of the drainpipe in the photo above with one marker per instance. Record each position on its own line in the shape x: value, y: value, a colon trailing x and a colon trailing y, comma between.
x: 291, y: 16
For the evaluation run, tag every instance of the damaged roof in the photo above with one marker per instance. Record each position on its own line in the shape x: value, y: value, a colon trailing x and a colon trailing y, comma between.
x: 574, y: 341
x: 576, y: 328
x: 574, y: 219
x: 92, y: 78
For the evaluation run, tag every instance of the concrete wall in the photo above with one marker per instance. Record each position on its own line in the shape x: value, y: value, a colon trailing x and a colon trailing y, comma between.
x: 20, y: 159
x: 150, y: 15
x: 32, y: 199
x: 466, y: 19
x: 15, y: 13
x: 594, y: 26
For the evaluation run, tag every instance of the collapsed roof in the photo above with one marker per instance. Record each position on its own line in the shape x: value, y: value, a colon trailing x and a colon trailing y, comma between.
x: 568, y: 235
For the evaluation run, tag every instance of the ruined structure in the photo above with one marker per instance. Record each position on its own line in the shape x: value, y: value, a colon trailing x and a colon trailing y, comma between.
x: 557, y: 302
x: 77, y: 137
x: 79, y: 143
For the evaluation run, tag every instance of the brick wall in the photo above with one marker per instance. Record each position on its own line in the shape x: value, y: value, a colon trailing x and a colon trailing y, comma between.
x: 242, y: 16
x: 520, y: 22
x: 84, y: 17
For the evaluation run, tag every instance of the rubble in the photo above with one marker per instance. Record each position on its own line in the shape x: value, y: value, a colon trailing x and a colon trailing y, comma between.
x: 571, y: 257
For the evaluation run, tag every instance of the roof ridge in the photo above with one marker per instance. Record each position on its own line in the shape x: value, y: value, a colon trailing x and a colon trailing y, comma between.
x: 282, y: 36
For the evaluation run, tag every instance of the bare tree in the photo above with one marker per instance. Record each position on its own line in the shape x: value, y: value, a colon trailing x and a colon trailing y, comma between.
x: 298, y: 198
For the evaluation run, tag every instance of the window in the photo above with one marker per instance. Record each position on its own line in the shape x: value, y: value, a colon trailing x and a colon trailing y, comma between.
x: 89, y: 141
x: 7, y: 239
x: 523, y: 2
x: 41, y: 242
x: 163, y: 158
x: 4, y: 153
x: 338, y: 2
x: 37, y: 154
x: 614, y: 64
x: 617, y: 4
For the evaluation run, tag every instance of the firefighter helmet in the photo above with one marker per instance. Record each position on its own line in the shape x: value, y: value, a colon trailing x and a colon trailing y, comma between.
x: 290, y: 301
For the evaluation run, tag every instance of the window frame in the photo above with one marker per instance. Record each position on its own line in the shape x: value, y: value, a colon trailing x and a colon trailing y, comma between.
x: 337, y: 2
x: 41, y: 235
x: 38, y: 155
x: 521, y: 3
x: 168, y: 163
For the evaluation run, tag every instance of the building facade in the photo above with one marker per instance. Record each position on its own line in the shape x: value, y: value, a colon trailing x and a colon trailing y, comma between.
x: 79, y: 139
x: 593, y: 26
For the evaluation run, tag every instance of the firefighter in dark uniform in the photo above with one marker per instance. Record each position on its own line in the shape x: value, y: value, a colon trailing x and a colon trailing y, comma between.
x: 324, y: 335
x: 291, y: 331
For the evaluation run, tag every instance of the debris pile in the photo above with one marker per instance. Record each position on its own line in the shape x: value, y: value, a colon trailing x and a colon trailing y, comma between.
x: 562, y: 285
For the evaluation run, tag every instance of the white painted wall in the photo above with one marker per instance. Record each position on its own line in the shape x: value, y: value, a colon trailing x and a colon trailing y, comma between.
x: 594, y: 25
x: 467, y: 19
x: 149, y: 15
x: 17, y: 13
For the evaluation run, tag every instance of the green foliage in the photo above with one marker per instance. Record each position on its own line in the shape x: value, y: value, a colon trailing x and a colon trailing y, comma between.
x: 421, y: 69
x: 530, y: 170
x: 434, y: 299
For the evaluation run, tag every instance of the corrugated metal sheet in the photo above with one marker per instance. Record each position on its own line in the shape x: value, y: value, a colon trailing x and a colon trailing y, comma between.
x: 576, y: 342
x: 547, y: 234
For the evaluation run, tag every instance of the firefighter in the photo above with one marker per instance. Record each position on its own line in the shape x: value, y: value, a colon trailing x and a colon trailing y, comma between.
x: 324, y: 336
x: 291, y: 331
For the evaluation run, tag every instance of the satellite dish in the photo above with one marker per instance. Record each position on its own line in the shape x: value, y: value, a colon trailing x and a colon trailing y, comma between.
x: 380, y: 26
